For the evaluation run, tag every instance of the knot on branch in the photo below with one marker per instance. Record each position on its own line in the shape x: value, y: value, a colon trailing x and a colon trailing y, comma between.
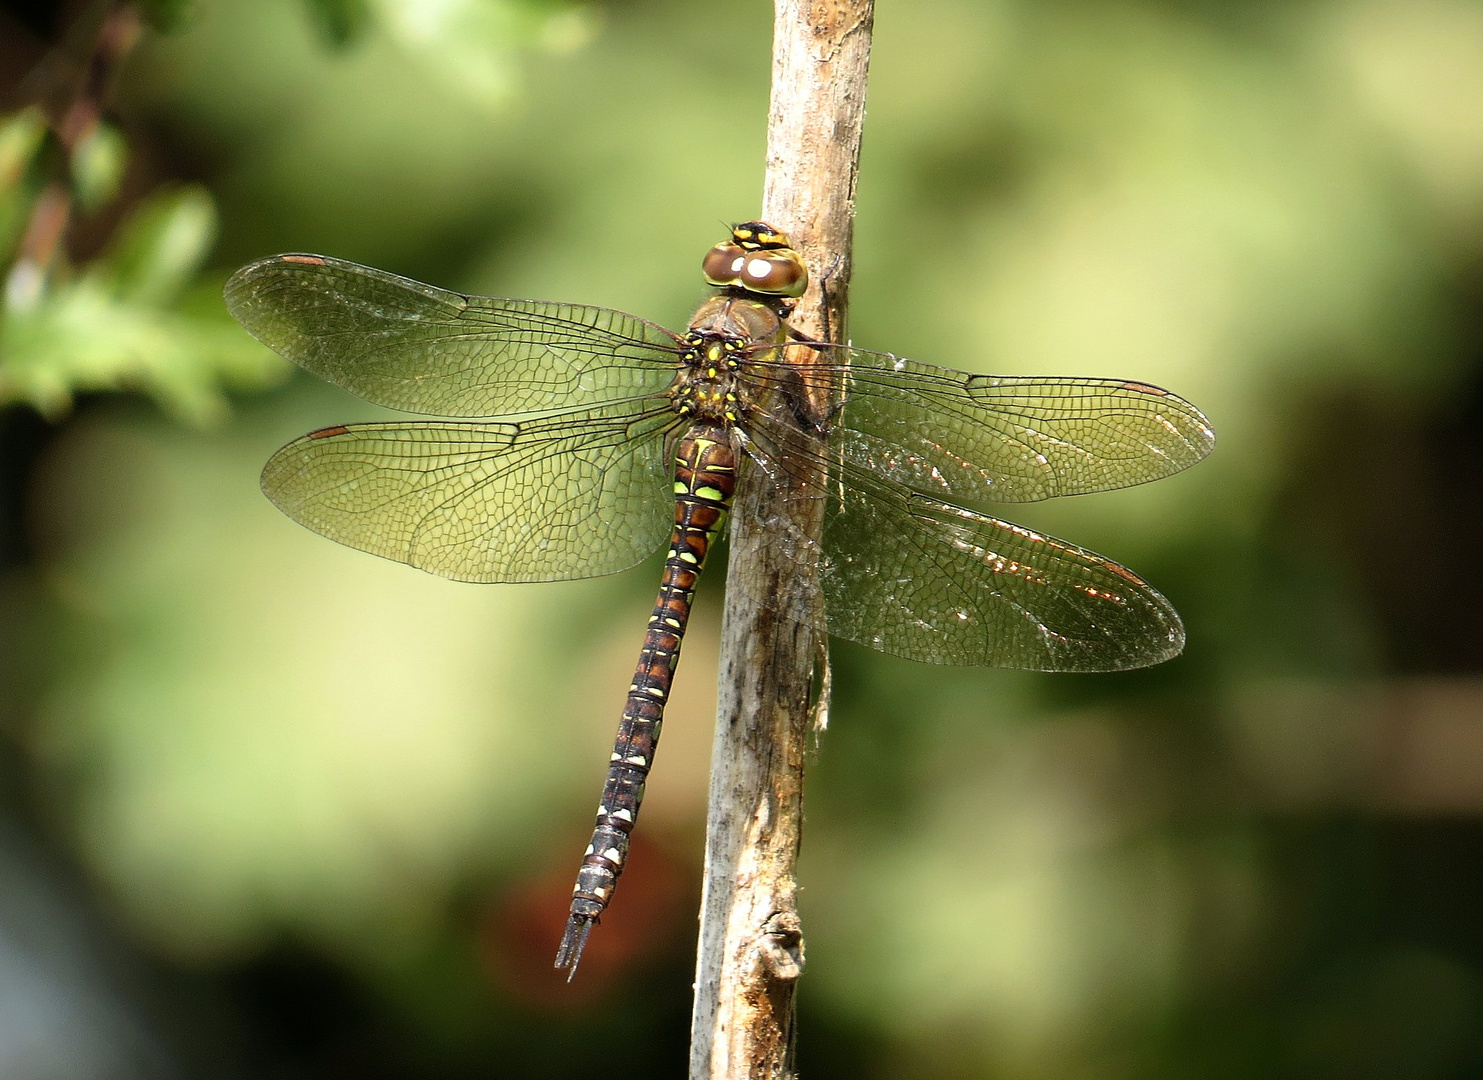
x: 781, y: 946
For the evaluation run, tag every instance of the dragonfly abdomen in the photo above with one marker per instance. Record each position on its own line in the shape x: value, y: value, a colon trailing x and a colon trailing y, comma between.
x: 705, y: 479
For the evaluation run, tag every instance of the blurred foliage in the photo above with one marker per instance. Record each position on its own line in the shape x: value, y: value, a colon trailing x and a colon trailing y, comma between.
x: 340, y: 20
x: 167, y: 15
x: 134, y: 319
x: 470, y: 47
x: 20, y: 141
x: 348, y: 797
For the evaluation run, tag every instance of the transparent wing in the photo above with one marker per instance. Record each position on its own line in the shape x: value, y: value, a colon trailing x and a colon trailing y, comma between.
x: 921, y: 578
x: 413, y: 347
x: 985, y: 439
x: 570, y: 496
x: 945, y: 585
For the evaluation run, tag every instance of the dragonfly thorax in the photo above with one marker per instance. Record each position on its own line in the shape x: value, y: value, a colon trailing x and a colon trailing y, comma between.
x: 706, y: 386
x: 726, y: 332
x: 746, y: 320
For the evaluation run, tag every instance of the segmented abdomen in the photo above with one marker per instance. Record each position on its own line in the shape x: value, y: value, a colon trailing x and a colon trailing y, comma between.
x: 705, y: 479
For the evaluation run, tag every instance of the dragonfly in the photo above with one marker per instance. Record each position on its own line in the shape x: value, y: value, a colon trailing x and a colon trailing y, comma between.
x: 572, y: 440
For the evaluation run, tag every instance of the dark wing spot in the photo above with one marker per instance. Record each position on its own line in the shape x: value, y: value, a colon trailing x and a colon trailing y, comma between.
x: 329, y: 432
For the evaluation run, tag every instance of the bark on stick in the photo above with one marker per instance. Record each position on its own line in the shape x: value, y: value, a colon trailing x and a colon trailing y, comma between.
x: 751, y: 945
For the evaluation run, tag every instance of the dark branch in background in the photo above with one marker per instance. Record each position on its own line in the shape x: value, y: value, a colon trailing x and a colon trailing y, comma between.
x: 751, y: 945
x: 73, y: 120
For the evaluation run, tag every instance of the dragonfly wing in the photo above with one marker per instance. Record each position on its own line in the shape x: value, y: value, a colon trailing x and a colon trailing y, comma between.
x: 924, y: 579
x: 984, y: 439
x: 417, y: 348
x: 946, y: 585
x: 570, y: 496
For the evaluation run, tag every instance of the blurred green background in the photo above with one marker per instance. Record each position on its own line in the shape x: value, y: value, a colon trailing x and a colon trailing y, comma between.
x: 274, y: 808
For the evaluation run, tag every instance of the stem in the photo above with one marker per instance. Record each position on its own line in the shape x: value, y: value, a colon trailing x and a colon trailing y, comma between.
x: 751, y: 946
x: 73, y: 121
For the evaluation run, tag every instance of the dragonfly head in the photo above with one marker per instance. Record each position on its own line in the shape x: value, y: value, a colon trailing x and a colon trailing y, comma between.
x: 757, y: 259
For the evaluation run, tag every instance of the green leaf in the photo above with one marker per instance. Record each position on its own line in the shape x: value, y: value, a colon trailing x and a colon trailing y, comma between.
x: 22, y: 136
x: 98, y: 166
x: 81, y: 338
x: 20, y: 141
x: 137, y: 320
x: 160, y: 248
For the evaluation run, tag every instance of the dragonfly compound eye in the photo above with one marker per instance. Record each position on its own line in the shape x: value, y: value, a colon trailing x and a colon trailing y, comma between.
x: 779, y: 272
x: 771, y: 271
x: 723, y: 264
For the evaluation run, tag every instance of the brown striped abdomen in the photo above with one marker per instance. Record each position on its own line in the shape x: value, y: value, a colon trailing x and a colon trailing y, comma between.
x: 705, y: 479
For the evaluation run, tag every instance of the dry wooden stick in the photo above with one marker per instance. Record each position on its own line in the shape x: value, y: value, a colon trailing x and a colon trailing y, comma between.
x: 751, y: 945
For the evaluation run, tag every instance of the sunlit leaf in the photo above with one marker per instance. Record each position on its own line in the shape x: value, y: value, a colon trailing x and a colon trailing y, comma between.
x: 133, y: 321
x: 22, y: 136
x: 20, y: 139
x: 162, y: 246
x: 98, y: 166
